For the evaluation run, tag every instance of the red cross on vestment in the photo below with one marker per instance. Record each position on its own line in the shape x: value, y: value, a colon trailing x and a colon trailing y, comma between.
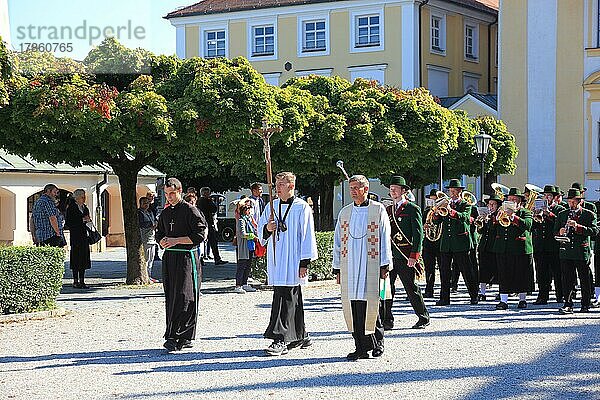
x: 373, y: 240
x: 372, y: 226
x: 373, y: 253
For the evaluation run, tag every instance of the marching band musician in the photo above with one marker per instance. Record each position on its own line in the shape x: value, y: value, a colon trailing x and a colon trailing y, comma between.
x: 431, y: 253
x: 545, y: 249
x: 407, y: 238
x: 588, y: 205
x: 455, y: 243
x: 513, y: 248
x: 578, y: 224
x: 488, y: 272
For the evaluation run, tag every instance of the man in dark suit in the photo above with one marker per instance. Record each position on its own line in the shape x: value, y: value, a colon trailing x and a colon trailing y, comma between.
x: 431, y: 252
x: 209, y: 209
x: 455, y: 243
x: 406, y: 224
x: 578, y: 224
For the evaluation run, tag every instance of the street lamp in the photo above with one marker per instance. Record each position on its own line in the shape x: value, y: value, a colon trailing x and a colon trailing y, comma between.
x: 482, y: 142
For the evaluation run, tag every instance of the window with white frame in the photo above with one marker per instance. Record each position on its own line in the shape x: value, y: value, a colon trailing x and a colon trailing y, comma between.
x: 438, y: 80
x: 214, y: 44
x: 314, y: 36
x: 471, y: 41
x: 369, y: 72
x: 367, y: 30
x: 436, y: 25
x: 263, y: 40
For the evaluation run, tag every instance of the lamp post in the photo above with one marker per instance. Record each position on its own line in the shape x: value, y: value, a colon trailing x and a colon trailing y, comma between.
x: 482, y: 142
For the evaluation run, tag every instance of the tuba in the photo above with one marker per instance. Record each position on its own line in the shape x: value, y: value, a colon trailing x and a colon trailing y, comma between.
x: 432, y: 231
x: 534, y: 192
x: 500, y: 190
x: 468, y: 197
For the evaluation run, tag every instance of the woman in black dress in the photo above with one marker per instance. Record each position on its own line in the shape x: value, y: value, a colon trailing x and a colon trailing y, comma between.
x: 77, y: 216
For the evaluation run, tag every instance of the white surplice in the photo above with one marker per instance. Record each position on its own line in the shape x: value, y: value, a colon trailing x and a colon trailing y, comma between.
x: 297, y: 243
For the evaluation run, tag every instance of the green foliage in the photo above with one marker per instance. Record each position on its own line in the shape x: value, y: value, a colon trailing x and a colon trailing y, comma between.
x: 503, y: 144
x: 6, y: 73
x: 30, y: 278
x: 45, y: 66
x: 319, y: 270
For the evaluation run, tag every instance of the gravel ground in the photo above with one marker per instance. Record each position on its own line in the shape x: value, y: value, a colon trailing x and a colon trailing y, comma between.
x: 111, y: 348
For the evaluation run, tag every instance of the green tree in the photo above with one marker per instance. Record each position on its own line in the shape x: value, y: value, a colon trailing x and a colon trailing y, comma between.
x: 6, y: 73
x: 75, y: 120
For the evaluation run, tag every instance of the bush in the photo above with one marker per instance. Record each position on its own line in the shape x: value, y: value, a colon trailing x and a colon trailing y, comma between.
x: 30, y: 278
x: 319, y: 270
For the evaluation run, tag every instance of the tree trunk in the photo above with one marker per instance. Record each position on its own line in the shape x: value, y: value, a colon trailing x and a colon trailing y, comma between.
x: 326, y: 194
x: 137, y: 274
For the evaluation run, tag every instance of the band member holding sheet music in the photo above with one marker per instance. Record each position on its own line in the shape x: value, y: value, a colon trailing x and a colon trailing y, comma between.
x: 486, y: 227
x: 545, y: 247
x: 574, y: 228
x: 513, y: 248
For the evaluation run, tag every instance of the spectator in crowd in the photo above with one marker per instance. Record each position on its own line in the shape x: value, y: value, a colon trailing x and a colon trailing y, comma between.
x: 48, y: 222
x: 245, y: 234
x: 208, y: 207
x: 147, y: 228
x: 77, y: 216
x: 191, y: 198
x: 258, y: 201
x: 151, y: 196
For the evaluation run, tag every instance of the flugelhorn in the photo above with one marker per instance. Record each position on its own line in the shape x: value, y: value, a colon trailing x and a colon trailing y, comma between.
x: 468, y: 197
x: 441, y: 204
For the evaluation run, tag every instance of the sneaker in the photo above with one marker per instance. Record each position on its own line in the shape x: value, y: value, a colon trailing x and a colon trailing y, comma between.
x: 277, y: 348
x: 248, y: 288
x: 239, y: 290
x: 565, y: 310
x: 303, y: 343
x: 502, y: 306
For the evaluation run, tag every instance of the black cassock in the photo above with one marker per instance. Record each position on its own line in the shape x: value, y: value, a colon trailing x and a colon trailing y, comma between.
x: 180, y: 284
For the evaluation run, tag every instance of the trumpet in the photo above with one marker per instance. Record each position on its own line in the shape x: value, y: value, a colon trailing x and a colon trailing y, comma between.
x: 441, y: 204
x: 481, y: 220
x: 502, y: 217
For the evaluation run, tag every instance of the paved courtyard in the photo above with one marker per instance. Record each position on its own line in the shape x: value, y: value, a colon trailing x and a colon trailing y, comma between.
x: 109, y: 347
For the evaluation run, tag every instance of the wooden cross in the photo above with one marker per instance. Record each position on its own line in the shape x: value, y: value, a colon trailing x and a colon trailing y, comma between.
x: 265, y: 132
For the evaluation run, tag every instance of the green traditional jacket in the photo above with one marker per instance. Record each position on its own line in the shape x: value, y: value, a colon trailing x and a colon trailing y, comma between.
x: 428, y: 244
x: 456, y: 234
x: 588, y: 205
x: 408, y: 218
x: 579, y: 247
x: 543, y: 233
x: 515, y: 238
x: 487, y: 234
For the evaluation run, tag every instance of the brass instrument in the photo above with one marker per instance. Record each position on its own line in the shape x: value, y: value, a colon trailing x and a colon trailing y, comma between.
x: 500, y: 190
x: 534, y: 193
x: 433, y: 232
x: 480, y: 221
x: 468, y: 197
x: 502, y: 217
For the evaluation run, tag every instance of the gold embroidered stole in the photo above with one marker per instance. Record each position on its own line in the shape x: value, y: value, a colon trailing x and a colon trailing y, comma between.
x: 373, y: 281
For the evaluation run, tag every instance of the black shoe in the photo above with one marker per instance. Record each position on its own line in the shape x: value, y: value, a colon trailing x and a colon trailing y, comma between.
x: 377, y: 352
x: 559, y: 299
x: 428, y: 295
x: 442, y: 303
x: 421, y: 324
x: 474, y: 301
x: 502, y: 306
x: 303, y: 344
x: 356, y: 355
x: 220, y: 262
x: 184, y: 344
x: 595, y: 304
x: 170, y: 344
x: 565, y: 310
x: 76, y: 285
x: 83, y: 286
x: 522, y: 304
x: 497, y: 297
x: 584, y: 310
x: 540, y: 302
x: 481, y: 297
x: 454, y: 290
x: 388, y: 325
x: 277, y: 348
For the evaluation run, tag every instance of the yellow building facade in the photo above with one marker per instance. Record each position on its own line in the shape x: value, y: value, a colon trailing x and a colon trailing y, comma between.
x: 549, y: 91
x: 448, y: 46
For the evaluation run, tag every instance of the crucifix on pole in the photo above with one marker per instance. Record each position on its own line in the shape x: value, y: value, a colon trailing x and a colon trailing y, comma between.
x: 265, y: 132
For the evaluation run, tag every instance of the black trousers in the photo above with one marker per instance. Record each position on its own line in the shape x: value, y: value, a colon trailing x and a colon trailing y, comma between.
x: 243, y: 270
x: 568, y: 268
x: 597, y: 265
x: 362, y: 341
x: 407, y: 277
x: 547, y: 269
x: 287, y: 315
x: 213, y: 243
x: 463, y: 263
x: 431, y: 257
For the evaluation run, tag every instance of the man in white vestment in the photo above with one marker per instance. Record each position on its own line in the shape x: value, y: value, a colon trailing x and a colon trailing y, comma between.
x: 362, y: 258
x: 291, y: 245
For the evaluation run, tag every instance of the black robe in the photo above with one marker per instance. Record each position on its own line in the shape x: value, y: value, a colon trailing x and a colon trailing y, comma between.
x: 79, y: 258
x: 180, y: 286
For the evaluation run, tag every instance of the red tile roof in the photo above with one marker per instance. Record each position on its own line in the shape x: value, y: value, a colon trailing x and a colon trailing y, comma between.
x: 226, y: 6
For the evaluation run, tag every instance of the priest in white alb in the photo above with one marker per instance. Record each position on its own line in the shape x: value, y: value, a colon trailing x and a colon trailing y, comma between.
x: 362, y: 258
x: 291, y: 245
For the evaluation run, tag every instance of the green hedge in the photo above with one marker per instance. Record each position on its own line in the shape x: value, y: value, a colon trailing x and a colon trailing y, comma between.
x: 319, y: 270
x: 30, y: 278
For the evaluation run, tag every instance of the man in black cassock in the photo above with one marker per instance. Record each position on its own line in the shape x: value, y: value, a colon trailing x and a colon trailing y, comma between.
x: 181, y: 228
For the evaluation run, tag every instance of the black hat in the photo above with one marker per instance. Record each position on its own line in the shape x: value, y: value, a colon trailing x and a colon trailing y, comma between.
x: 399, y: 180
x: 574, y: 194
x: 550, y: 189
x: 578, y: 186
x: 433, y: 192
x: 516, y: 192
x: 455, y: 183
x: 493, y: 197
x: 558, y: 191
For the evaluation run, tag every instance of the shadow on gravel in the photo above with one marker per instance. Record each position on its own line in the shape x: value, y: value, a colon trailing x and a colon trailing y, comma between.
x: 544, y: 377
